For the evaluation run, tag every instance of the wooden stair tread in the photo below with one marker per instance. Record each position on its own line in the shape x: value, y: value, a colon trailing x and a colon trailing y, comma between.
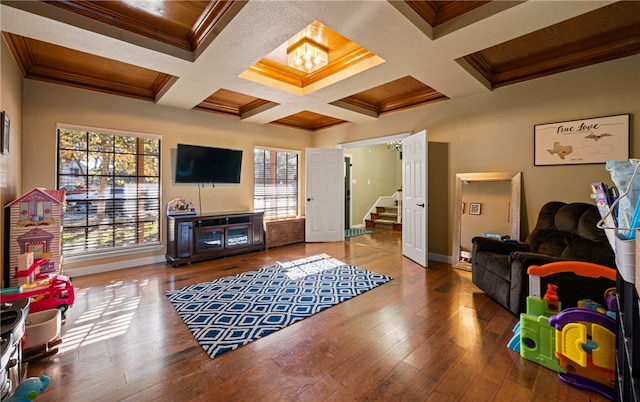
x: 384, y: 217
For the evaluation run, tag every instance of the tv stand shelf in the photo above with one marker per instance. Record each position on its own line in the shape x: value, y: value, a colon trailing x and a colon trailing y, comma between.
x: 201, y: 237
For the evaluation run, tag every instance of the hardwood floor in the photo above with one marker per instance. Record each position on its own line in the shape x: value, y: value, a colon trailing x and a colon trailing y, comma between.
x: 429, y: 334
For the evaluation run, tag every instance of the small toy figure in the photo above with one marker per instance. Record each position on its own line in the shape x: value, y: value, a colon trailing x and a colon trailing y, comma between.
x: 29, y: 389
x: 553, y: 303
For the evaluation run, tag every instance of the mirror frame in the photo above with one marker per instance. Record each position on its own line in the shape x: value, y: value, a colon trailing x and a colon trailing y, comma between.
x: 516, y: 183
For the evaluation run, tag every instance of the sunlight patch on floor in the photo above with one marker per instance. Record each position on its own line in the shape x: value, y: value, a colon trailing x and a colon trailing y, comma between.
x: 110, y: 317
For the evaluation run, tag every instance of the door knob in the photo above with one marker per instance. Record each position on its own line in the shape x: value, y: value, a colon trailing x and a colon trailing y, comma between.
x: 421, y: 205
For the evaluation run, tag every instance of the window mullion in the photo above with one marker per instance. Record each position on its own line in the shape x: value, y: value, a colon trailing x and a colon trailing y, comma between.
x: 113, y: 201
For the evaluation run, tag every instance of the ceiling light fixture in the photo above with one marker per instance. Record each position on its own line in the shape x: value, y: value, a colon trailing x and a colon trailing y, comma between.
x: 307, y: 55
x: 394, y: 146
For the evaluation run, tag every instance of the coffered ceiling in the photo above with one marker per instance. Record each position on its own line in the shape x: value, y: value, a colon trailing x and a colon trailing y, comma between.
x: 230, y: 57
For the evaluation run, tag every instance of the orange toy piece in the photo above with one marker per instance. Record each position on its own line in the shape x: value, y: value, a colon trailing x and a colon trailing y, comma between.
x: 551, y: 296
x: 587, y: 269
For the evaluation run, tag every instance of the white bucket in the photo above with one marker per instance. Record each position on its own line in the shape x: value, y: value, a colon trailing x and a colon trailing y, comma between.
x: 42, y: 327
x: 626, y: 259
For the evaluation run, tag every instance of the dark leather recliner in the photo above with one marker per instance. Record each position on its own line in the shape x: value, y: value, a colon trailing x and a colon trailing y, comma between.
x: 563, y: 232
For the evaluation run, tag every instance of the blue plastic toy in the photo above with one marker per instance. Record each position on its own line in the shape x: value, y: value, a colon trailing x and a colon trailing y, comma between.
x: 29, y: 389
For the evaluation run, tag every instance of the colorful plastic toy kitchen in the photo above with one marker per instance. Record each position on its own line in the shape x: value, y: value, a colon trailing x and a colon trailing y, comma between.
x: 571, y: 327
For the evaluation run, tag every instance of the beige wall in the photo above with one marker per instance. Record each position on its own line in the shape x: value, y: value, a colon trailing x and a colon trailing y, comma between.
x: 10, y: 103
x: 494, y: 132
x: 375, y: 171
x: 46, y: 104
x: 483, y: 133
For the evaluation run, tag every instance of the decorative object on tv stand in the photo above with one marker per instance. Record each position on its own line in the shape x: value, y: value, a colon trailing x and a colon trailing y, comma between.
x: 180, y: 207
x: 594, y: 140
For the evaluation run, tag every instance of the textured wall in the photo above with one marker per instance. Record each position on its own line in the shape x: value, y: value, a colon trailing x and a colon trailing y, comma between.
x: 11, y: 104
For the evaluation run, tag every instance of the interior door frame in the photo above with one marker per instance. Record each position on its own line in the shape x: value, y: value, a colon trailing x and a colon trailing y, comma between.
x: 375, y: 140
x: 348, y: 191
x: 372, y: 141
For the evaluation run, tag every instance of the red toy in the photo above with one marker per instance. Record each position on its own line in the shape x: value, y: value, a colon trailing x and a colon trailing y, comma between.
x: 46, y: 291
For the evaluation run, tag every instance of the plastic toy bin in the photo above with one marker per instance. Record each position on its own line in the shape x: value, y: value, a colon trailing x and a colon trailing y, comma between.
x: 42, y: 327
x: 626, y: 259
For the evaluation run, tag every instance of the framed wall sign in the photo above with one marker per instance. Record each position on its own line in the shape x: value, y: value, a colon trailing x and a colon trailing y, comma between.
x: 594, y: 140
x: 474, y: 208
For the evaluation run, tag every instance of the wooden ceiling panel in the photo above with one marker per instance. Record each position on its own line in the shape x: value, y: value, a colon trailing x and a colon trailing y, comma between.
x: 439, y: 12
x: 46, y: 62
x: 182, y: 24
x: 310, y: 121
x: 231, y: 103
x: 605, y: 34
x: 403, y: 93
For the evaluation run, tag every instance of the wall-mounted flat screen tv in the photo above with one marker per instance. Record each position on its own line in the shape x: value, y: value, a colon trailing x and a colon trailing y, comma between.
x: 199, y: 164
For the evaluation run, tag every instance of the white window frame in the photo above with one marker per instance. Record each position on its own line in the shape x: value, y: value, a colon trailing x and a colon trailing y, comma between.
x: 139, y: 245
x: 259, y: 203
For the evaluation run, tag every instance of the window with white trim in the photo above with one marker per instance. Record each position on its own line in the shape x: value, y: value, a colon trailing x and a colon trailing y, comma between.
x: 276, y: 182
x: 112, y: 182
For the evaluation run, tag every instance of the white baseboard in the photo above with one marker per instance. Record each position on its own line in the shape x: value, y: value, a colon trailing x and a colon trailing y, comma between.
x: 98, y: 268
x: 136, y: 262
x: 440, y: 258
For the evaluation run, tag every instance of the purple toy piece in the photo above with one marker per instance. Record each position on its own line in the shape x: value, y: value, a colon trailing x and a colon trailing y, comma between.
x: 610, y: 300
x: 577, y: 314
x: 585, y: 383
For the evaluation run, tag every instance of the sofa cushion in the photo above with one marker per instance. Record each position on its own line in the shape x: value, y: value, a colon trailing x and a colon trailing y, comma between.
x: 554, y: 243
x: 492, y: 282
x: 581, y: 249
x: 570, y: 231
x: 496, y: 263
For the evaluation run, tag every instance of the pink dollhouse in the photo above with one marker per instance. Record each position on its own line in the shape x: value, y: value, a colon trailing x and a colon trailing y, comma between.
x: 35, y: 225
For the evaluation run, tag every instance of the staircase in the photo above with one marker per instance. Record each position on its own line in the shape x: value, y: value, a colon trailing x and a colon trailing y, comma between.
x: 384, y: 218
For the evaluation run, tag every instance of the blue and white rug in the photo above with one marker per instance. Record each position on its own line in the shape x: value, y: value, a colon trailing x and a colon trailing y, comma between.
x: 229, y: 312
x: 352, y: 232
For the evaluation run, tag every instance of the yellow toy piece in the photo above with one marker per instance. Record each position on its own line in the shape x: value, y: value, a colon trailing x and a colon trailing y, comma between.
x: 569, y: 342
x: 604, y: 355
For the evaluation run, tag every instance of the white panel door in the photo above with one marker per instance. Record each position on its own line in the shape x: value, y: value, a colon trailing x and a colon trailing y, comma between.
x: 324, y: 195
x: 414, y: 198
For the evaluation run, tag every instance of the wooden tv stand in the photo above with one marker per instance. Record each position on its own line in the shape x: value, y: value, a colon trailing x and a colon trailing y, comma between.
x: 202, y: 237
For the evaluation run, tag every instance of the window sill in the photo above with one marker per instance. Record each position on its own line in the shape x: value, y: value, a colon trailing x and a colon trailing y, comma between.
x: 99, y: 255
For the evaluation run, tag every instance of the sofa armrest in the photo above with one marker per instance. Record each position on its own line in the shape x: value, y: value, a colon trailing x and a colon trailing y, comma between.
x: 520, y: 262
x: 497, y: 246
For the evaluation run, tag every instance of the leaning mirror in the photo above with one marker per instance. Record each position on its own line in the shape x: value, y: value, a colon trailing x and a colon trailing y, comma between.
x: 486, y: 204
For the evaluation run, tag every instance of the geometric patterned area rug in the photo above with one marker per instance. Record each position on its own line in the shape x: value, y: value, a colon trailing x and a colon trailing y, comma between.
x: 229, y: 312
x: 351, y: 232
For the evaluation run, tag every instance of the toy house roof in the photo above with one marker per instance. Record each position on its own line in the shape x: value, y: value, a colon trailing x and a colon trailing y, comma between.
x: 41, y: 194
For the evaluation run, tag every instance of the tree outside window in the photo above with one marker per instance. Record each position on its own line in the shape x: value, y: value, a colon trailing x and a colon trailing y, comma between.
x: 112, y: 182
